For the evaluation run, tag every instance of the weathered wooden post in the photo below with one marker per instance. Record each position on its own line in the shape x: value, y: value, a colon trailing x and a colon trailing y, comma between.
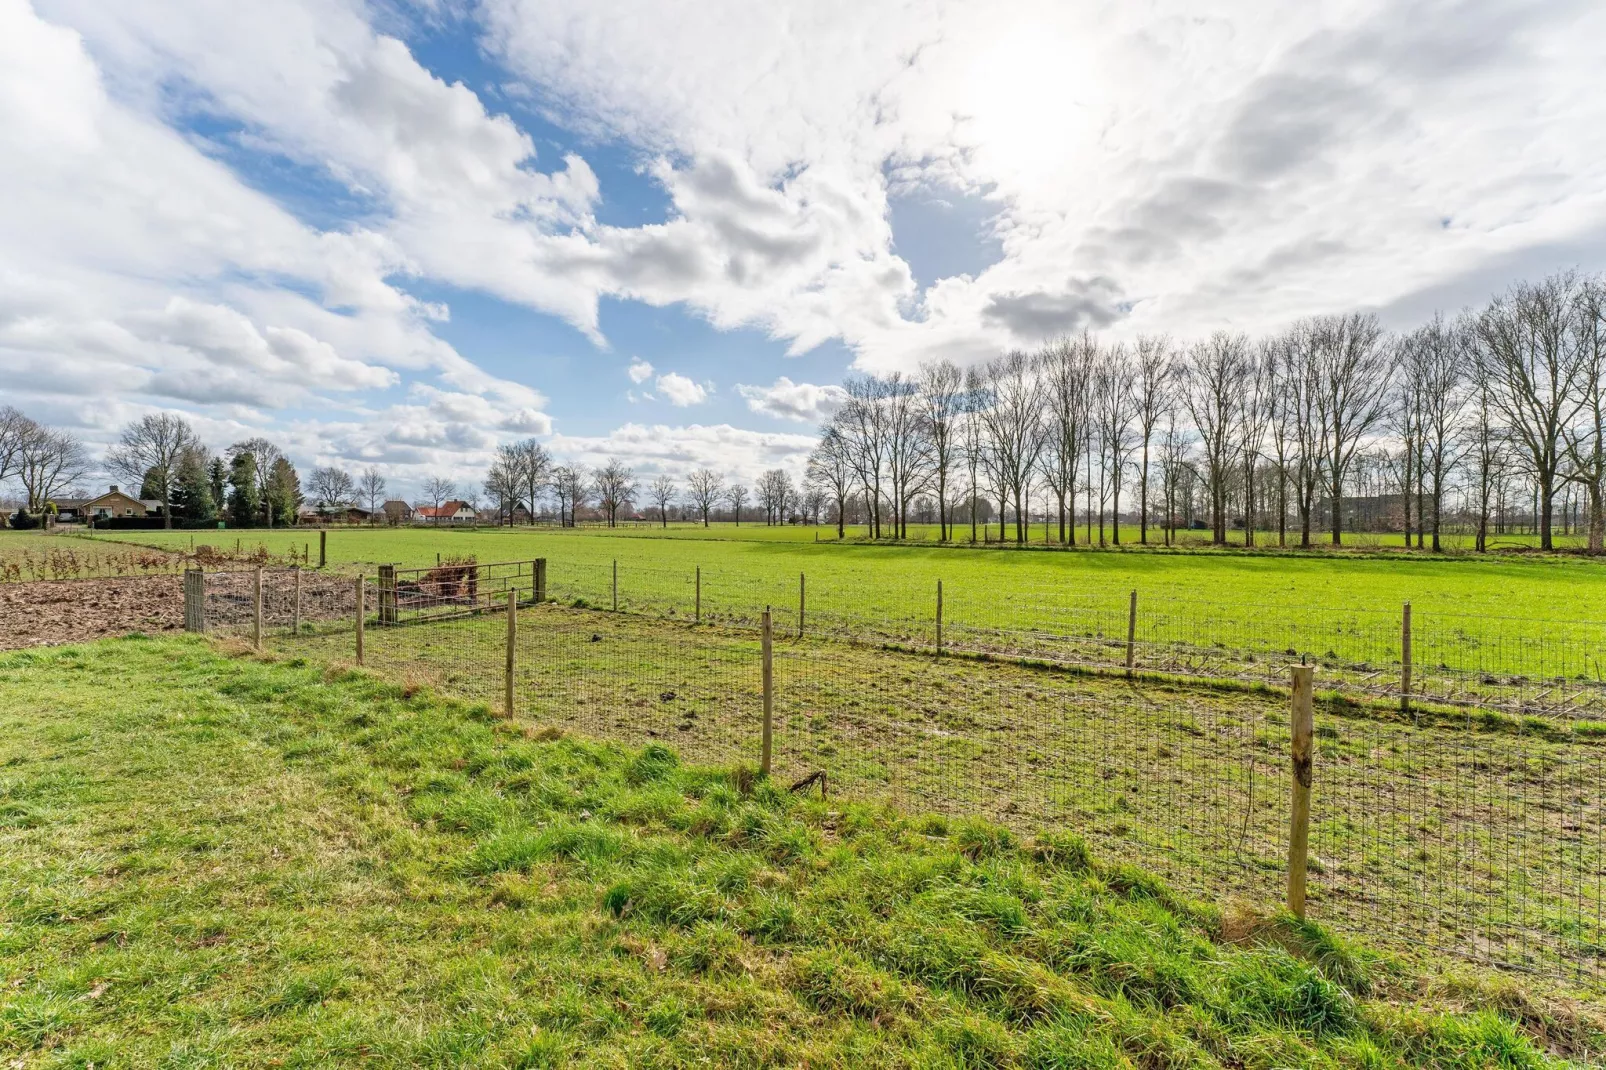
x: 194, y: 600
x: 1302, y: 696
x: 697, y: 611
x: 256, y: 613
x: 362, y: 611
x: 538, y: 570
x: 939, y: 616
x: 1131, y: 634
x: 616, y: 586
x: 387, y: 594
x: 295, y: 617
x: 512, y: 645
x: 323, y: 547
x: 1405, y: 660
x: 769, y: 696
x: 802, y: 601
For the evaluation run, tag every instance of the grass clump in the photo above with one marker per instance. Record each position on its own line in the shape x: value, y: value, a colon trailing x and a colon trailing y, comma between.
x: 210, y: 859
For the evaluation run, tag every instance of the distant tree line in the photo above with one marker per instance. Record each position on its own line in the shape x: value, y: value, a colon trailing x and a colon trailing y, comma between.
x: 1458, y: 419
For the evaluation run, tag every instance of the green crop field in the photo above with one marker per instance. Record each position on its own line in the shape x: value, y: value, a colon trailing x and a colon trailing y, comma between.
x: 210, y: 859
x: 868, y: 577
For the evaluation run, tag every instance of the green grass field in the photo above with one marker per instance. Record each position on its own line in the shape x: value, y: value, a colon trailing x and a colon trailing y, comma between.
x: 222, y: 860
x: 1450, y: 836
x: 1555, y: 588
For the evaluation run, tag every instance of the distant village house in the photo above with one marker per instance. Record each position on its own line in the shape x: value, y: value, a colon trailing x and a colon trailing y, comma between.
x: 114, y: 503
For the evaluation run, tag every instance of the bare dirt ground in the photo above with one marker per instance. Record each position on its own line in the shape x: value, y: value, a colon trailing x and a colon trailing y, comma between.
x: 51, y: 612
x: 70, y: 611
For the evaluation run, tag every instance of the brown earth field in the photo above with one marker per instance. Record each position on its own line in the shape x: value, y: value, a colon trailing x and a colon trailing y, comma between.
x: 71, y: 611
x: 52, y: 612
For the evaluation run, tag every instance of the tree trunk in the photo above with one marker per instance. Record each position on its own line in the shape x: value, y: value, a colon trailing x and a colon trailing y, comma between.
x: 1597, y: 523
x: 1547, y: 495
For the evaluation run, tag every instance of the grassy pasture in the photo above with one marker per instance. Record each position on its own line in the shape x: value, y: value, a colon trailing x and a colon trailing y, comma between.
x: 216, y: 860
x: 1555, y: 588
x: 1456, y: 836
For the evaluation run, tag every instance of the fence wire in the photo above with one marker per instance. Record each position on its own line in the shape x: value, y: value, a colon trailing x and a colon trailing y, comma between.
x: 1515, y: 665
x: 1463, y: 831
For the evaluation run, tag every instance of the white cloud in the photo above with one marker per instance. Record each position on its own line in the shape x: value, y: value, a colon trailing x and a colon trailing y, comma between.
x: 786, y: 400
x: 138, y: 272
x: 1164, y: 166
x: 734, y: 452
x: 681, y: 391
x: 639, y: 371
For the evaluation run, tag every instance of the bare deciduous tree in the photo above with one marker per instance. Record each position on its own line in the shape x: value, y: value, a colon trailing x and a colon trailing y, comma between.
x: 1013, y: 418
x: 1066, y: 368
x: 371, y: 485
x: 1441, y: 356
x: 14, y: 427
x: 1215, y: 375
x: 1354, y: 369
x: 832, y: 471
x: 736, y: 495
x: 664, y: 491
x: 705, y: 487
x: 1586, y: 443
x: 1255, y: 408
x: 1533, y: 355
x: 530, y: 467
x: 1155, y: 370
x: 47, y: 463
x: 331, y: 488
x: 150, y: 449
x: 942, y: 395
x: 502, y: 486
x: 1114, y: 409
x: 615, y: 485
x: 439, y: 489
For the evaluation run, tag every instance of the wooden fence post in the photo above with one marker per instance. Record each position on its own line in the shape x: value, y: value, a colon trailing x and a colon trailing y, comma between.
x: 295, y: 618
x: 387, y: 594
x: 362, y: 612
x: 616, y: 585
x: 1302, y: 695
x: 802, y: 601
x: 697, y: 612
x: 1405, y: 660
x: 512, y: 645
x: 256, y: 611
x: 769, y: 697
x: 323, y: 547
x: 538, y: 570
x: 939, y: 616
x: 1131, y: 634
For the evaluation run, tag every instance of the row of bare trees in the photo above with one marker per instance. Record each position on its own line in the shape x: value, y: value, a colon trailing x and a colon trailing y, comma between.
x: 1263, y: 431
x: 44, y: 461
x: 523, y: 476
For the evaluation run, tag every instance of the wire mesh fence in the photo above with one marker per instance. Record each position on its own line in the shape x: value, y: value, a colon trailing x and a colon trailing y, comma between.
x: 1515, y: 665
x: 1457, y: 829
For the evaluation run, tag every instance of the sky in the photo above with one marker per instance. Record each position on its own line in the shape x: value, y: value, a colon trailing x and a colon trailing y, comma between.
x: 400, y: 233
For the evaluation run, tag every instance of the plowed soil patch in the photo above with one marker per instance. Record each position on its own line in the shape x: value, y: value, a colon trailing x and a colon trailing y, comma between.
x: 49, y: 613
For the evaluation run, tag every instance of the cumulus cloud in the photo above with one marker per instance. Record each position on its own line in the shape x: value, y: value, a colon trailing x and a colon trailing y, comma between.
x: 734, y: 452
x: 786, y: 400
x: 1170, y: 166
x: 681, y: 391
x: 138, y: 272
